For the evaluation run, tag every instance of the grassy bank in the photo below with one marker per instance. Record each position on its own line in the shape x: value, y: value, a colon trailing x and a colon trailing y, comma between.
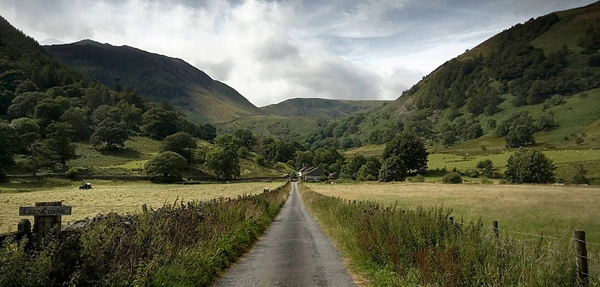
x: 110, y: 196
x: 393, y: 246
x: 176, y: 245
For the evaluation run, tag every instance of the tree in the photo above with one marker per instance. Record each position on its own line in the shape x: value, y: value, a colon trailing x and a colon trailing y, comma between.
x: 159, y: 123
x: 223, y: 162
x: 32, y: 142
x: 392, y: 169
x: 78, y: 119
x: 519, y: 136
x: 105, y: 111
x: 246, y: 137
x: 7, y: 146
x: 166, y: 164
x: 326, y: 158
x: 58, y: 142
x: 181, y: 143
x: 529, y: 166
x: 351, y: 168
x: 228, y: 141
x: 303, y: 158
x: 47, y: 110
x: 370, y: 170
x: 411, y: 151
x: 23, y: 105
x: 110, y: 133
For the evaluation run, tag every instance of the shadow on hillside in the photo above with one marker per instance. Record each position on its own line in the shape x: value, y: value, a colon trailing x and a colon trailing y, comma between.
x: 122, y: 152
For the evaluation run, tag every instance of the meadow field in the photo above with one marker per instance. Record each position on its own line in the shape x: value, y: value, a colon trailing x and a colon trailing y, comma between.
x: 109, y: 196
x: 553, y: 210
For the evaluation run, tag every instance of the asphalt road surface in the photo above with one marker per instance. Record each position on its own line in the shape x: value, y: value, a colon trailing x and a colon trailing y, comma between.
x: 292, y: 252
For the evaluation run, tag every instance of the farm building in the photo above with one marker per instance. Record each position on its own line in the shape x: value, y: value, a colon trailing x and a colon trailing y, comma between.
x: 311, y: 173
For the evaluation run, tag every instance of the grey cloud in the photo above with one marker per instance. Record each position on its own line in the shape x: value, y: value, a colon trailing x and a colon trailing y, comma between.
x: 336, y: 78
x: 276, y: 49
x: 219, y: 70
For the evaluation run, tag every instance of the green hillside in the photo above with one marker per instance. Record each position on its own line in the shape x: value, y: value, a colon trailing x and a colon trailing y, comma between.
x: 320, y: 108
x: 288, y: 128
x: 158, y: 77
x: 540, y: 77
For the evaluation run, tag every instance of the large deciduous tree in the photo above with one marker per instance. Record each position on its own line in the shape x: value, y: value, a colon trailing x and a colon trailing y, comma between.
x: 410, y: 149
x: 393, y: 169
x: 58, y: 142
x: 223, y: 162
x: 159, y: 123
x: 109, y: 133
x: 529, y: 166
x: 181, y: 143
x: 166, y: 164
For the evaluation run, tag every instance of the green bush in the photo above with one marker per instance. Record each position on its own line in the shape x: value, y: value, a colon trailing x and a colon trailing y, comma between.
x: 452, y: 178
x: 529, y: 166
x: 419, y: 178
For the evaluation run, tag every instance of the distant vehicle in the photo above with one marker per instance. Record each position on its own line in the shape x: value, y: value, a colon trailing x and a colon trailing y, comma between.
x: 85, y: 185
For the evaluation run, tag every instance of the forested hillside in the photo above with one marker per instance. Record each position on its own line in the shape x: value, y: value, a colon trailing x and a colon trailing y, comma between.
x: 519, y: 85
x: 45, y: 107
x: 200, y: 98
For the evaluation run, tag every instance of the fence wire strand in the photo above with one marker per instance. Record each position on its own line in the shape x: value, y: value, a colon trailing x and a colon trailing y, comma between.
x: 529, y: 234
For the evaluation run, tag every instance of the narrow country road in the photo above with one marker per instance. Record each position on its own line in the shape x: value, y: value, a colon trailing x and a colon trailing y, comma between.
x: 293, y: 252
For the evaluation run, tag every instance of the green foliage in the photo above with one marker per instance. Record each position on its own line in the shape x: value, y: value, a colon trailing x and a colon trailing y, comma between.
x: 370, y: 169
x: 303, y: 158
x: 410, y: 149
x: 452, y: 178
x: 8, y: 140
x: 395, y: 246
x: 590, y: 39
x: 529, y: 166
x: 351, y: 168
x: 110, y: 133
x: 577, y: 175
x: 393, y: 169
x: 328, y: 159
x: 228, y: 141
x: 518, y: 130
x: 58, y: 142
x: 180, y: 244
x: 224, y: 162
x: 159, y: 123
x: 166, y: 164
x: 78, y: 119
x: 181, y: 143
x: 246, y: 138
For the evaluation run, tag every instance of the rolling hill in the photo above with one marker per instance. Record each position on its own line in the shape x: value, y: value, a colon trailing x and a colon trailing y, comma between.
x: 544, y: 72
x: 158, y: 77
x: 324, y: 109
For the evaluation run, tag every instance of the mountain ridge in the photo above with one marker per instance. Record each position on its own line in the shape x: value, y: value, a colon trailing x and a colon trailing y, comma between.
x: 157, y: 77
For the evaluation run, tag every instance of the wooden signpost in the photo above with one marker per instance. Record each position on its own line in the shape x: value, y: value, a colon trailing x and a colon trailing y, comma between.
x: 47, y: 217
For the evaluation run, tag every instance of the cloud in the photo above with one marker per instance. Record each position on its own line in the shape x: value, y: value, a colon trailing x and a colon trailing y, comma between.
x: 274, y: 50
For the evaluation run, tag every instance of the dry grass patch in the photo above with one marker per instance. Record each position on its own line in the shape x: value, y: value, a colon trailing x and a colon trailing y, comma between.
x: 549, y: 209
x: 107, y: 196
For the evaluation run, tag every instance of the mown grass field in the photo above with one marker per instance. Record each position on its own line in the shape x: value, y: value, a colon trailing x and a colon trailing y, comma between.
x: 107, y: 196
x: 548, y: 209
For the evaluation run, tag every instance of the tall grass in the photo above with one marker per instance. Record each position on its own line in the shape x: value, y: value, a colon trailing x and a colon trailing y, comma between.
x: 180, y: 244
x: 419, y: 247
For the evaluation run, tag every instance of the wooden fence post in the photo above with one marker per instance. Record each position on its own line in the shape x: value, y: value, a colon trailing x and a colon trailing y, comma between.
x: 582, y: 262
x: 495, y: 229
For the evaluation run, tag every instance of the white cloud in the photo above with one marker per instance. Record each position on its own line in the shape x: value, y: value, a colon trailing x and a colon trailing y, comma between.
x: 274, y: 50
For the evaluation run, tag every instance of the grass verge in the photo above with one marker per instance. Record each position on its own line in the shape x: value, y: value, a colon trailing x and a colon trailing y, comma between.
x: 181, y: 244
x: 392, y: 246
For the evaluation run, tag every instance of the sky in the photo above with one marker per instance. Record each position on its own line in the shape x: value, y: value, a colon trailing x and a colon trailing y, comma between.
x: 270, y: 51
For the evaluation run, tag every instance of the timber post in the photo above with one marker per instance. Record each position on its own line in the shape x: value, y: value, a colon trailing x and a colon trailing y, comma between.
x: 582, y: 259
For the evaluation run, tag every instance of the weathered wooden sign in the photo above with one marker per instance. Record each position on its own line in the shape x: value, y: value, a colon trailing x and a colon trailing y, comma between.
x: 44, y: 210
